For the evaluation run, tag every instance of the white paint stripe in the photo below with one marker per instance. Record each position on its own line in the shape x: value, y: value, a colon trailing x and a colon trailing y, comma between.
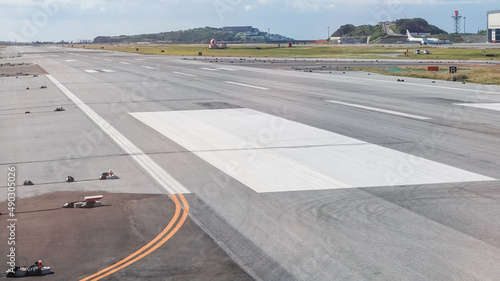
x: 418, y: 84
x: 107, y: 60
x: 246, y: 85
x: 381, y: 110
x: 171, y: 185
x: 490, y: 106
x: 228, y: 69
x: 272, y: 154
x: 91, y: 71
x: 187, y: 74
x: 148, y: 67
x: 206, y: 68
x: 124, y: 62
x: 70, y: 60
x: 107, y: 70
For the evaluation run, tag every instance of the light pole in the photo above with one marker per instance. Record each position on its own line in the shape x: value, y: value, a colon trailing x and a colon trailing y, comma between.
x: 327, y: 38
x: 464, y: 24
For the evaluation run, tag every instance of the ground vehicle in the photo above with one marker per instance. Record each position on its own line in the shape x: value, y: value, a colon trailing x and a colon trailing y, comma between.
x: 37, y: 269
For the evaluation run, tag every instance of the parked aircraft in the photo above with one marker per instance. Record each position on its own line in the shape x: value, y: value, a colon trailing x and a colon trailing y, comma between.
x: 425, y: 40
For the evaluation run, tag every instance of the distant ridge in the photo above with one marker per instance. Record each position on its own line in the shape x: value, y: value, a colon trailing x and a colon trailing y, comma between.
x: 194, y: 36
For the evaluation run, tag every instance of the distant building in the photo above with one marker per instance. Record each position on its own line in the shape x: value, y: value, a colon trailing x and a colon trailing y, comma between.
x: 349, y: 40
x: 493, y: 26
x: 241, y: 29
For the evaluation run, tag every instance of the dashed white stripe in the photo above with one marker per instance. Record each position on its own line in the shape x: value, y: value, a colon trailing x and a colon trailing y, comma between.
x: 182, y: 73
x: 171, y: 185
x: 148, y: 67
x: 381, y: 110
x: 246, y: 85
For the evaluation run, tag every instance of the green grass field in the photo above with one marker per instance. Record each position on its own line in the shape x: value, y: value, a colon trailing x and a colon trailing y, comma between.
x: 474, y: 74
x: 477, y: 74
x: 304, y: 51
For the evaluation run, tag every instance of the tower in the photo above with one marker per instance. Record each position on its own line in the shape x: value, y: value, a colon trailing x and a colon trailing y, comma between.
x: 456, y: 19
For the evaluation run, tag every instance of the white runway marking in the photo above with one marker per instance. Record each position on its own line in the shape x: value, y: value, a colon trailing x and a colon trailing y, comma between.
x: 206, y: 68
x: 148, y: 67
x: 99, y: 70
x: 165, y: 180
x: 246, y: 85
x: 228, y: 69
x: 71, y: 60
x: 124, y: 62
x: 381, y: 110
x: 107, y: 60
x: 186, y: 74
x: 272, y: 154
x: 491, y: 106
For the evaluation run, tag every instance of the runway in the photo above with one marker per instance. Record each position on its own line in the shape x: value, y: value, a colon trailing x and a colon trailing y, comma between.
x: 323, y: 175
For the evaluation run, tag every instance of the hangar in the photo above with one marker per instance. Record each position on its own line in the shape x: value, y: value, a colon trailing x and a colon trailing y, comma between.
x: 494, y: 26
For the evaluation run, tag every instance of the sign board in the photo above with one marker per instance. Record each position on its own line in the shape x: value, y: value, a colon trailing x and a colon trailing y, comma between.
x: 494, y: 20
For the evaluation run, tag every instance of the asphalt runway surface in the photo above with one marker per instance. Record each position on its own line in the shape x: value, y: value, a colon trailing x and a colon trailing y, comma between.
x: 329, y: 175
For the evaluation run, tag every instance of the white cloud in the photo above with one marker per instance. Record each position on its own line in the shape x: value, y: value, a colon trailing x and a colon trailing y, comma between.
x: 248, y: 7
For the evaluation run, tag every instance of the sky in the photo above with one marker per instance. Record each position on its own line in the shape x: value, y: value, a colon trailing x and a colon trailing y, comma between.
x: 73, y: 20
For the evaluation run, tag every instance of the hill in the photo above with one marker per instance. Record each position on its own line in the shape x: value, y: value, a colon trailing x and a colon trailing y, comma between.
x: 195, y: 35
x: 416, y: 25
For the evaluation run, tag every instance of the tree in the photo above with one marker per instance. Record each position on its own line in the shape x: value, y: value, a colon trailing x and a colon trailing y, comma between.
x: 345, y: 29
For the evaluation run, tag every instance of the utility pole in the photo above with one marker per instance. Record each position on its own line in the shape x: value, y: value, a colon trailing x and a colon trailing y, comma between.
x: 328, y: 33
x: 464, y: 24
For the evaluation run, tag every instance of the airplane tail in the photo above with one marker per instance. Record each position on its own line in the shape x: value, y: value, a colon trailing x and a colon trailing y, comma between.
x: 409, y: 34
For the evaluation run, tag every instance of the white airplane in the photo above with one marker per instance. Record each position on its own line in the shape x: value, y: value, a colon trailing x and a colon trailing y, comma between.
x: 425, y: 40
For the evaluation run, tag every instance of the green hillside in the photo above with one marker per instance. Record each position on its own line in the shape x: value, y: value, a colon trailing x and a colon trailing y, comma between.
x: 417, y: 25
x: 376, y: 32
x: 195, y: 35
x: 201, y: 35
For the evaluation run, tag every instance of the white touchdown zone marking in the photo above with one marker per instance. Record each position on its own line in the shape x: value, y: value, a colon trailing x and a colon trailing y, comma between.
x: 490, y: 106
x: 165, y: 180
x: 381, y: 110
x: 272, y: 154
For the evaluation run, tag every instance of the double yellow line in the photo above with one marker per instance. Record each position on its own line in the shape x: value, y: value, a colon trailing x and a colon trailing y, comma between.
x: 151, y: 246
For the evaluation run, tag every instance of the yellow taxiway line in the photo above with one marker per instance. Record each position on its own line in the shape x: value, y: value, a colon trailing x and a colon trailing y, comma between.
x: 147, y: 249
